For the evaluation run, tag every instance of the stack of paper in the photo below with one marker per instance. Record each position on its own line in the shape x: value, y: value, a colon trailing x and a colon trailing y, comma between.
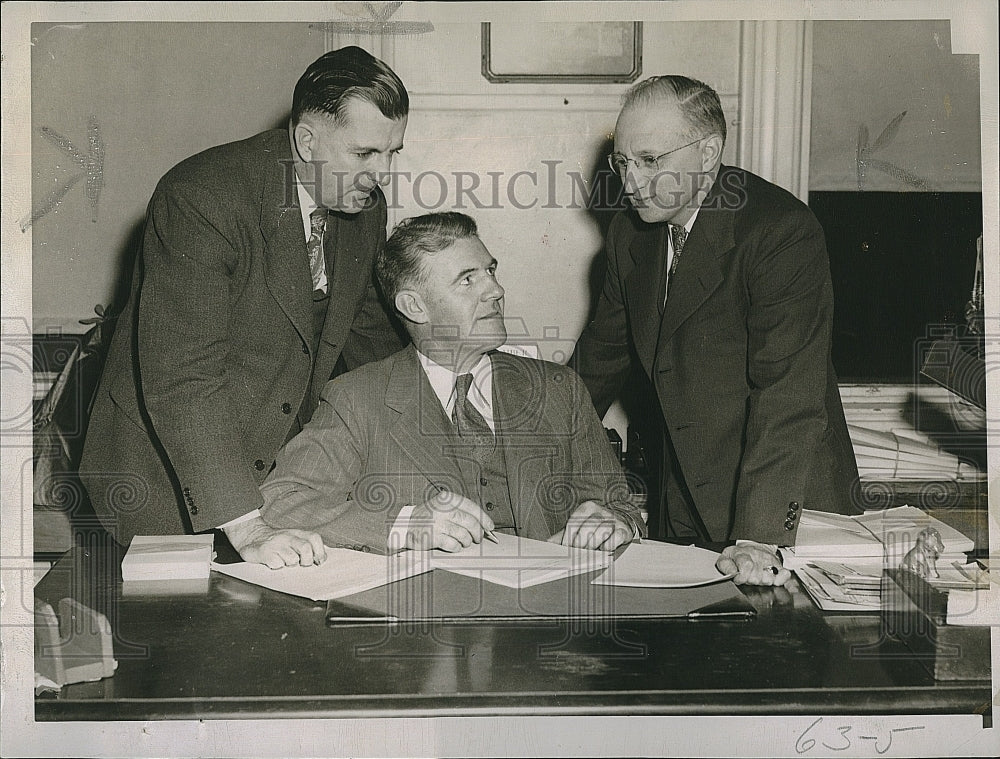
x: 168, y: 557
x: 883, y: 536
x: 520, y: 562
x: 893, y: 456
x: 839, y: 559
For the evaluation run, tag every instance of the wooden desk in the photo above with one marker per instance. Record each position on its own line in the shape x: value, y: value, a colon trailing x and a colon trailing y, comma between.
x: 238, y: 650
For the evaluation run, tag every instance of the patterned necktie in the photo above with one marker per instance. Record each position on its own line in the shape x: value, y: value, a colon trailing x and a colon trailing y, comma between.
x: 470, y: 423
x: 678, y: 236
x: 317, y: 261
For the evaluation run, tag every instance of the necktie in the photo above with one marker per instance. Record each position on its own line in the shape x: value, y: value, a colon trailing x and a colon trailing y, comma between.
x: 470, y: 423
x: 678, y: 236
x: 317, y: 261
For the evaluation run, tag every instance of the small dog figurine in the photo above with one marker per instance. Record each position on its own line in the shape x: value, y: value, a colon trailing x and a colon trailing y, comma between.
x: 922, y: 558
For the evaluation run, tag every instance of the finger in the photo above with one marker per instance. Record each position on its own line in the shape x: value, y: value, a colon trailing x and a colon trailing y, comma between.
x: 726, y: 565
x: 318, y: 549
x: 572, y: 529
x: 587, y: 534
x: 447, y: 543
x: 305, y: 552
x: 469, y: 521
x: 288, y: 554
x: 619, y: 536
x: 604, y: 531
x: 459, y: 533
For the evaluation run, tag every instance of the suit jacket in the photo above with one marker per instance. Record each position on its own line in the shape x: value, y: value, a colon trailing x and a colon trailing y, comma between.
x: 380, y: 440
x: 213, y: 352
x: 739, y: 359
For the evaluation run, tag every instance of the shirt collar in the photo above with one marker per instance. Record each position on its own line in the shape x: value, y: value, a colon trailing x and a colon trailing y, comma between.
x: 442, y: 381
x: 306, y: 205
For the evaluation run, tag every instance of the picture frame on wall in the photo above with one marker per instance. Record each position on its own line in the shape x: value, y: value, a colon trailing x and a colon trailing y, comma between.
x: 584, y: 52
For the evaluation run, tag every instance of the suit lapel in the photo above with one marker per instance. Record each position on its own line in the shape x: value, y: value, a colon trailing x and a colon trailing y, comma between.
x: 351, y: 256
x: 286, y: 265
x: 518, y: 408
x: 699, y: 271
x: 644, y: 285
x: 423, y: 434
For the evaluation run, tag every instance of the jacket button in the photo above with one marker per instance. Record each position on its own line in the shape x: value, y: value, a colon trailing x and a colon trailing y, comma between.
x: 483, y: 481
x: 305, y: 348
x: 286, y: 408
x: 193, y: 510
x: 259, y: 465
x: 793, y: 506
x: 490, y: 506
x: 366, y: 549
x: 789, y: 525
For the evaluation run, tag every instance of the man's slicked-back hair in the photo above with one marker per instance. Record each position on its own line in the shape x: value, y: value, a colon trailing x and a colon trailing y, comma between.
x: 399, y: 264
x: 349, y: 73
x: 698, y: 102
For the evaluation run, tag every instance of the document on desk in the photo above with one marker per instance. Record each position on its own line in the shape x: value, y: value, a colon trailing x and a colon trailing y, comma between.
x: 651, y: 564
x: 520, y: 562
x: 344, y: 573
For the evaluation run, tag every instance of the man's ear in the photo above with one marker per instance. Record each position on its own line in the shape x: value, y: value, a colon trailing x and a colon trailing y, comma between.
x: 711, y: 152
x: 304, y: 140
x: 411, y: 306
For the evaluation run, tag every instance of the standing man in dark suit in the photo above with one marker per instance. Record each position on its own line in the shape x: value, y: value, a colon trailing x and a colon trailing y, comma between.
x: 254, y: 286
x: 450, y: 438
x: 720, y: 284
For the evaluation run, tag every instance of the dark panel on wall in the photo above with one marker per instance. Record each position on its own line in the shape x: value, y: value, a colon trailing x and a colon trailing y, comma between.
x: 902, y: 265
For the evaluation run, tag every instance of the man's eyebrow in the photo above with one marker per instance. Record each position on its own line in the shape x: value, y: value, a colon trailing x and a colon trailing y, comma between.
x: 465, y: 273
x: 362, y: 148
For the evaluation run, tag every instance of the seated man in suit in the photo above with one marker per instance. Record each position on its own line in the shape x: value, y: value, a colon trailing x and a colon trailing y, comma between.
x: 449, y: 438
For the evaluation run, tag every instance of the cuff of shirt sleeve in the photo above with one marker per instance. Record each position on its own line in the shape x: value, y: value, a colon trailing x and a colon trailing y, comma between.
x: 245, y: 518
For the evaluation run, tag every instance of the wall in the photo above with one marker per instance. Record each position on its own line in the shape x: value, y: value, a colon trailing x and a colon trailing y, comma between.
x: 865, y: 74
x: 161, y: 92
x: 157, y: 93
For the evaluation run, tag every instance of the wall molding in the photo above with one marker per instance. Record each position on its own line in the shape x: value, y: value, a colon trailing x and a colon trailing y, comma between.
x: 775, y: 102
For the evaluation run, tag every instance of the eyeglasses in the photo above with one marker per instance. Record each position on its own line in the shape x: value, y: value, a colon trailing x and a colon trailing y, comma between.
x: 646, y: 164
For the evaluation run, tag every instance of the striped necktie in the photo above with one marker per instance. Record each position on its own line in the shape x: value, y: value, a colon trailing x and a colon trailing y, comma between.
x: 317, y: 261
x: 678, y: 236
x: 471, y: 425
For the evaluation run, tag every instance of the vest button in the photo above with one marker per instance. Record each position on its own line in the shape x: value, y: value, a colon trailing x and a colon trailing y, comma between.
x: 483, y: 481
x: 286, y: 408
x: 490, y: 506
x: 259, y: 465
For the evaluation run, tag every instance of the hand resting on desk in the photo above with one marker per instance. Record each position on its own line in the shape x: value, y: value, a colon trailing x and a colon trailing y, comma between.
x: 259, y: 543
x: 754, y: 564
x: 594, y: 526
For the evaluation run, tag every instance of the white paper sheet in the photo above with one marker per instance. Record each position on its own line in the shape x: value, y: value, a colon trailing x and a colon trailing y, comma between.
x: 520, y: 562
x: 344, y: 573
x: 650, y: 564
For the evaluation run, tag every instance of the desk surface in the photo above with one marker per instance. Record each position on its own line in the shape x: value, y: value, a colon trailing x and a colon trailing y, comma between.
x: 238, y: 650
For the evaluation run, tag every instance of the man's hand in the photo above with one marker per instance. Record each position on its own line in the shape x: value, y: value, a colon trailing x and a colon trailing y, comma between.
x: 448, y: 521
x: 754, y: 564
x: 259, y: 543
x: 594, y: 526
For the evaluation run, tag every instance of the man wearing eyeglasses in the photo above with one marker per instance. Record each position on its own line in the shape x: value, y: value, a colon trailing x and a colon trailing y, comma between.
x: 719, y: 283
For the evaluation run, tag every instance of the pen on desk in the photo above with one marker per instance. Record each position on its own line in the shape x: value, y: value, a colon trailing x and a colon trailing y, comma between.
x: 488, y: 534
